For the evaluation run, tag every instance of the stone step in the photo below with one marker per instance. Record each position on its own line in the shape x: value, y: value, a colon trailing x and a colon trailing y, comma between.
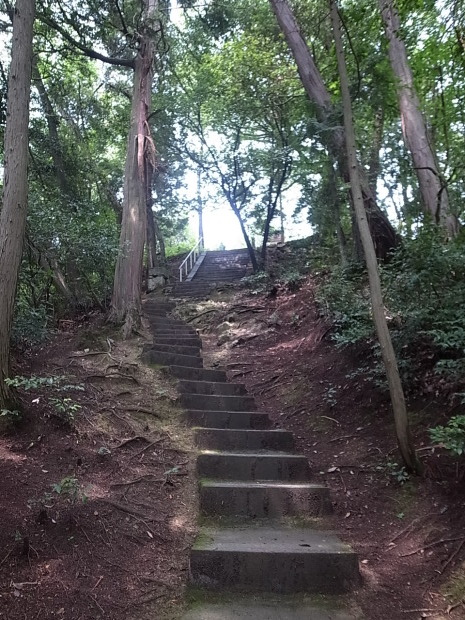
x: 166, y: 322
x: 186, y: 341
x: 218, y: 403
x: 228, y: 419
x: 174, y: 348
x: 198, y: 374
x: 253, y: 466
x: 266, y: 610
x: 273, y: 559
x: 162, y: 358
x: 227, y: 439
x: 193, y: 294
x: 212, y: 388
x: 174, y: 333
x: 262, y: 500
x: 154, y: 304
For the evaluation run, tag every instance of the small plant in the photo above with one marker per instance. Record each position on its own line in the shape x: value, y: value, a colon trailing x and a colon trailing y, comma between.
x: 452, y: 436
x: 65, y: 408
x: 398, y: 472
x: 330, y: 396
x: 10, y: 414
x: 257, y: 283
x: 70, y: 489
x: 33, y: 382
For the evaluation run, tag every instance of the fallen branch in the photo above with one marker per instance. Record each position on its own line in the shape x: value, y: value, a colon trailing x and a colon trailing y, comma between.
x: 443, y: 541
x: 137, y: 480
x: 130, y: 440
x: 452, y: 556
x: 197, y: 316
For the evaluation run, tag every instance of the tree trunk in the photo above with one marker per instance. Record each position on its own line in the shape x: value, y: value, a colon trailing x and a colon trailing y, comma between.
x: 52, y: 125
x: 160, y: 241
x: 250, y: 248
x: 383, y: 233
x: 387, y: 351
x: 335, y: 203
x: 15, y: 186
x: 374, y: 165
x: 200, y: 208
x: 432, y: 188
x: 50, y: 265
x: 127, y: 289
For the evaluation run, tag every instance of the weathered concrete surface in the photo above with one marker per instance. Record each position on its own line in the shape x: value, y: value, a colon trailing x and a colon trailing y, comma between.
x: 228, y: 419
x: 198, y: 374
x: 264, y: 611
x: 218, y: 403
x: 260, y: 500
x: 227, y: 439
x: 168, y: 359
x: 236, y: 466
x: 212, y: 388
x: 273, y: 559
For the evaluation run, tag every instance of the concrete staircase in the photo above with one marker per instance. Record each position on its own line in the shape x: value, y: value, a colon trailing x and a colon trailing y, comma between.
x: 263, y: 517
x: 215, y: 267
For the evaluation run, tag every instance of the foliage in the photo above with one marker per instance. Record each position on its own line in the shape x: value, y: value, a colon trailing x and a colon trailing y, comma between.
x: 70, y: 489
x: 426, y: 318
x: 257, y: 283
x: 64, y: 408
x: 452, y: 436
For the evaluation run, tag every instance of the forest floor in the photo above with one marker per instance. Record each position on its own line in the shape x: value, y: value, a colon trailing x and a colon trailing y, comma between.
x: 98, y: 513
x: 409, y: 532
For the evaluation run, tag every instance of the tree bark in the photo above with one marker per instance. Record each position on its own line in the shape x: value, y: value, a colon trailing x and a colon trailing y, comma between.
x: 200, y: 208
x: 15, y: 187
x: 127, y: 289
x: 374, y: 165
x: 432, y: 188
x: 384, y: 236
x: 52, y: 125
x: 387, y: 351
x: 50, y: 265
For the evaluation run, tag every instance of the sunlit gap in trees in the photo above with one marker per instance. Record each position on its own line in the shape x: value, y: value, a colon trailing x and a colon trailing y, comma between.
x: 221, y: 227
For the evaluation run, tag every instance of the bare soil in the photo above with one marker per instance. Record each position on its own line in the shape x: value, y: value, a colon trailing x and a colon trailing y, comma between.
x: 409, y: 532
x: 112, y: 539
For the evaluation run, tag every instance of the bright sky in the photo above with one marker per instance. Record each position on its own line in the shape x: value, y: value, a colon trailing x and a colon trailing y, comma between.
x: 221, y: 225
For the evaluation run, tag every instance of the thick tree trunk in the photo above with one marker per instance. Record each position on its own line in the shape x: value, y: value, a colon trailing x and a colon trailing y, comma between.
x: 127, y: 289
x: 387, y: 351
x: 432, y: 189
x: 383, y: 233
x: 15, y: 187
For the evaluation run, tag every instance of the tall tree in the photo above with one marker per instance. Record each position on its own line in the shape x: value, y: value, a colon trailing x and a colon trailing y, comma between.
x: 15, y: 187
x: 433, y: 189
x: 384, y: 235
x: 140, y: 163
x: 387, y: 350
